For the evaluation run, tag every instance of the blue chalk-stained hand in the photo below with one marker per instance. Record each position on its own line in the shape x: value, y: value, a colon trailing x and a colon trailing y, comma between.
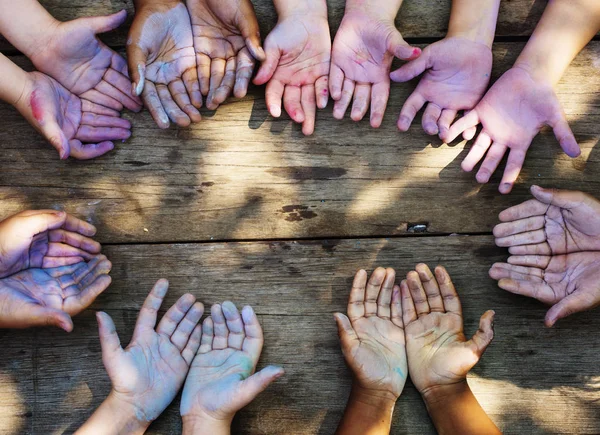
x: 149, y: 372
x: 49, y: 297
x: 222, y: 379
x: 372, y: 334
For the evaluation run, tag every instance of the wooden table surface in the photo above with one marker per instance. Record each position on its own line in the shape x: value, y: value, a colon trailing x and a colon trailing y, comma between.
x: 244, y: 207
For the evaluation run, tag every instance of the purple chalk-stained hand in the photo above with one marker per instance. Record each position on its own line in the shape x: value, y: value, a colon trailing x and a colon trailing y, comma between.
x: 50, y: 297
x: 570, y: 283
x: 76, y: 127
x: 372, y: 334
x: 44, y: 239
x: 162, y: 62
x: 75, y: 57
x: 298, y: 53
x: 512, y: 113
x: 456, y: 75
x: 222, y: 378
x: 363, y: 50
x: 554, y: 222
x: 149, y: 372
x: 227, y: 44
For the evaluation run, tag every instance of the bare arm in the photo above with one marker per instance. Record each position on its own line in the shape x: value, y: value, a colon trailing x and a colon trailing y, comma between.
x: 474, y: 20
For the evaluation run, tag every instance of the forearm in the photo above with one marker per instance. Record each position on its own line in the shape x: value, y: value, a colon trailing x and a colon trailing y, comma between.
x: 388, y: 9
x: 202, y: 426
x: 454, y: 409
x: 14, y: 81
x: 26, y: 24
x: 139, y: 3
x: 306, y: 7
x: 366, y: 414
x: 114, y: 417
x: 565, y: 28
x: 474, y: 19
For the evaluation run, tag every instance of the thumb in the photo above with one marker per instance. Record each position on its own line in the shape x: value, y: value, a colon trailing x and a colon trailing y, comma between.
x: 46, y: 316
x: 559, y: 198
x: 484, y: 335
x: 109, y: 339
x: 269, y: 65
x: 40, y: 222
x: 54, y: 134
x: 573, y: 303
x: 257, y: 383
x: 412, y: 69
x: 105, y: 23
x: 248, y: 25
x: 136, y: 62
x: 564, y: 134
x: 345, y: 330
x: 398, y: 46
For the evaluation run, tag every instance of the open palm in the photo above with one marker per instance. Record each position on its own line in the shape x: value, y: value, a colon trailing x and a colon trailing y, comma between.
x: 39, y: 297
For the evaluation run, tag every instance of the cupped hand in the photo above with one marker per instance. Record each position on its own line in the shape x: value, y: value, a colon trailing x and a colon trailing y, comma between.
x: 149, y: 372
x: 162, y: 62
x: 363, y: 50
x: 457, y: 73
x: 570, y: 283
x: 75, y: 57
x: 438, y: 352
x: 222, y: 379
x: 44, y: 239
x: 512, y: 113
x: 227, y: 44
x: 298, y: 53
x: 372, y: 335
x: 554, y: 222
x: 76, y: 127
x: 50, y: 297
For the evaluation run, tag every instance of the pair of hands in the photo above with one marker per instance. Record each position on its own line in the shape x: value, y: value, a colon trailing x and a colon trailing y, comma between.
x: 216, y: 359
x: 554, y: 242
x: 417, y: 328
x: 50, y: 269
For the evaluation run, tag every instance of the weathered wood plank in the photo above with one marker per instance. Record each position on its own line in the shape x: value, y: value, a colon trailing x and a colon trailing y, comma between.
x: 531, y: 380
x: 239, y: 174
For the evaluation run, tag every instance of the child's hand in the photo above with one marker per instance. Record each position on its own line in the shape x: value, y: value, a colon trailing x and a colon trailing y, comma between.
x: 512, y: 113
x: 372, y: 335
x: 77, y: 59
x: 162, y: 62
x: 76, y: 128
x: 222, y: 379
x: 555, y: 222
x: 457, y: 73
x: 438, y: 352
x: 44, y: 239
x: 149, y: 372
x: 44, y: 297
x: 227, y: 42
x: 363, y: 50
x: 298, y: 53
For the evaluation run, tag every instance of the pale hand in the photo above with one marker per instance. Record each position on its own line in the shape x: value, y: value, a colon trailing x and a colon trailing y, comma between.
x: 222, y: 379
x: 570, y: 283
x: 149, y: 372
x: 298, y: 53
x: 44, y: 239
x: 362, y: 55
x: 162, y: 62
x: 50, y: 297
x: 438, y: 352
x: 457, y: 73
x: 372, y: 335
x: 75, y: 57
x: 227, y: 44
x: 512, y: 113
x: 76, y: 128
x: 555, y: 222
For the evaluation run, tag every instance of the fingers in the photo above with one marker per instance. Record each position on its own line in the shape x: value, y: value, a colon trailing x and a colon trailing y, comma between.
x: 220, y: 327
x: 207, y: 336
x: 175, y: 314
x: 322, y: 91
x: 292, y: 102
x: 179, y: 92
x: 203, y: 67
x: 574, y: 303
x: 431, y: 118
x: 250, y: 31
x: 348, y: 337
x: 484, y: 335
x: 53, y: 262
x: 122, y: 84
x: 519, y: 226
x: 418, y: 293
x: 173, y: 111
x: 64, y: 250
x: 514, y: 164
x: 154, y: 105
x: 380, y: 94
x: 75, y: 225
x: 362, y: 99
x: 97, y: 109
x: 385, y: 295
x: 412, y: 69
x: 449, y: 295
x: 243, y: 74
x: 256, y: 384
x: 466, y: 122
x: 95, y: 120
x: 222, y: 79
x: 529, y: 208
x: 409, y: 110
x: 501, y: 271
x: 268, y: 67
x: 398, y: 46
x: 446, y: 118
x: 88, y: 151
x: 149, y: 310
x: 477, y: 151
x: 432, y: 290
x: 372, y: 291
x: 309, y: 107
x: 341, y: 105
x: 564, y: 135
x: 336, y: 81
x: 528, y: 238
x: 490, y: 164
x: 356, y: 302
x: 539, y: 261
x: 253, y: 342
x: 186, y: 327
x: 409, y: 314
x: 235, y: 325
x: 273, y: 97
x: 192, y: 87
x: 537, y: 249
x: 397, y: 307
x: 90, y: 286
x: 109, y: 339
x: 192, y: 345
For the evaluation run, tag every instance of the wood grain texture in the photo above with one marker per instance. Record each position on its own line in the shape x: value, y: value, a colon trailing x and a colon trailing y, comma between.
x: 531, y: 380
x: 239, y: 174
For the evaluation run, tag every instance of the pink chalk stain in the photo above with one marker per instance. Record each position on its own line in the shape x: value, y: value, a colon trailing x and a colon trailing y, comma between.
x: 324, y: 91
x: 36, y: 107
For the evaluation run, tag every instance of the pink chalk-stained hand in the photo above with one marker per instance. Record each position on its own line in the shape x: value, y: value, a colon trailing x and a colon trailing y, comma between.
x: 298, y: 54
x: 50, y: 297
x: 363, y: 50
x: 512, y: 113
x: 149, y: 372
x: 456, y: 75
x: 227, y: 44
x: 222, y: 378
x: 44, y: 239
x: 570, y: 283
x: 76, y: 127
x: 554, y: 222
x: 162, y: 62
x: 438, y: 352
x: 75, y: 57
x: 372, y: 334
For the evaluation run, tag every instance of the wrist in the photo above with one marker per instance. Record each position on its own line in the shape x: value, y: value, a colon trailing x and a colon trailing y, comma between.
x: 438, y: 394
x: 537, y: 70
x: 202, y: 424
x: 46, y: 26
x: 163, y: 4
x: 314, y: 8
x: 115, y: 415
x: 474, y: 20
x: 384, y: 11
x: 378, y: 399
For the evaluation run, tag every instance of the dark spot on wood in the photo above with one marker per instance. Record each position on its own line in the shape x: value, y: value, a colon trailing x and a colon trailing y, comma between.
x: 136, y: 163
x: 297, y: 213
x: 329, y: 245
x: 301, y: 173
x: 208, y: 184
x: 174, y: 155
x: 489, y: 252
x: 286, y: 247
x: 294, y: 270
x: 247, y: 267
x: 419, y: 227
